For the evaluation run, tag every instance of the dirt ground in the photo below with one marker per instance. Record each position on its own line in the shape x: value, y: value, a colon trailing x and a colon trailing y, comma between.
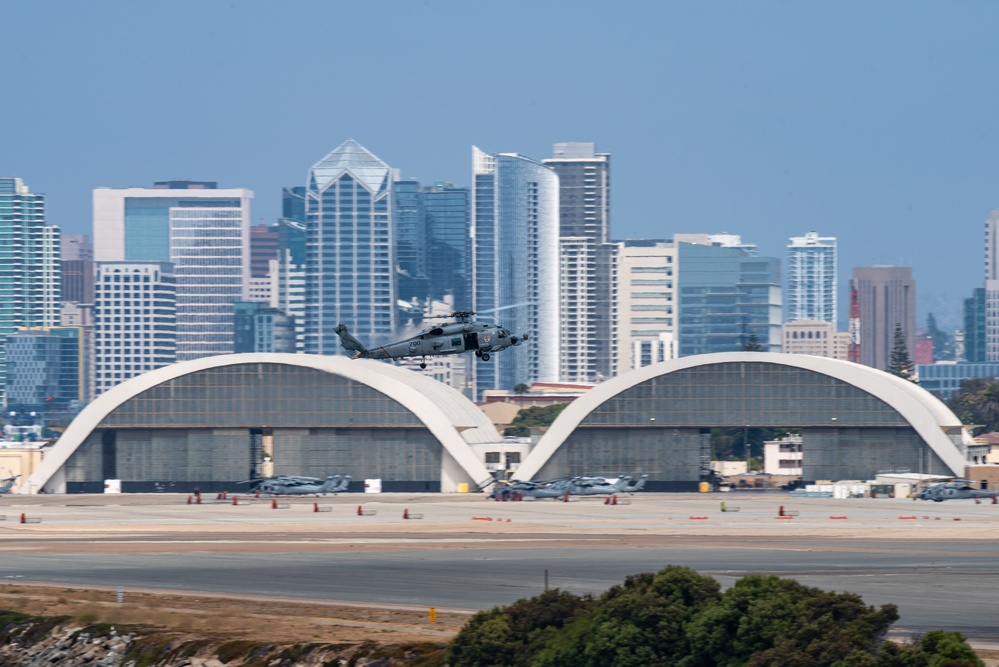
x: 262, y: 620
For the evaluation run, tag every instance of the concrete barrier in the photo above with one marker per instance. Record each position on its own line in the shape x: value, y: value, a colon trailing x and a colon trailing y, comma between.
x: 30, y: 519
x: 316, y: 507
x: 275, y: 505
x: 406, y: 514
x: 363, y: 512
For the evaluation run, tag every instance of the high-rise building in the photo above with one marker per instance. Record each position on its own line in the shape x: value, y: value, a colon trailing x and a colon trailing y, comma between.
x: 644, y: 312
x: 992, y: 246
x: 727, y: 295
x: 135, y: 313
x: 203, y: 231
x: 260, y: 328
x: 584, y: 190
x: 76, y: 246
x: 350, y: 249
x: 45, y: 368
x: 411, y: 241
x: 811, y: 278
x: 291, y: 275
x: 77, y: 268
x: 974, y: 326
x: 584, y: 228
x: 516, y: 264
x: 449, y: 252
x: 30, y: 274
x: 263, y: 248
x: 887, y: 298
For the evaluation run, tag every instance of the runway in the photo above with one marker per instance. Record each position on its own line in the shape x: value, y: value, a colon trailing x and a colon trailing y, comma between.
x: 940, y: 573
x: 951, y: 590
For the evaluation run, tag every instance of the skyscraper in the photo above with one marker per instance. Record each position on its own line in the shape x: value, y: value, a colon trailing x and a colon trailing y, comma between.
x: 77, y: 268
x: 584, y: 190
x: 449, y: 255
x: 410, y: 232
x: 135, y: 309
x: 811, y: 278
x: 726, y: 295
x: 887, y: 298
x: 204, y: 232
x: 584, y: 227
x: 974, y: 326
x: 992, y: 246
x: 516, y: 264
x: 30, y: 274
x: 350, y: 250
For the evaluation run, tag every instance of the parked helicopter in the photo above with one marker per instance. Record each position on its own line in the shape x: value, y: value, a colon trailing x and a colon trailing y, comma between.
x: 956, y: 490
x: 292, y: 485
x: 7, y: 483
x: 573, y: 486
x: 464, y: 334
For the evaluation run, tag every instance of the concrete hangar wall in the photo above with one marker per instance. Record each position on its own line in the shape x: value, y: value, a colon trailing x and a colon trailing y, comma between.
x: 855, y: 420
x: 202, y: 424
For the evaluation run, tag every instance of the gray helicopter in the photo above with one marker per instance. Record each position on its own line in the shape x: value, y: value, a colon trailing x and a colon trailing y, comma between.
x: 596, y: 486
x: 574, y: 486
x: 464, y: 334
x: 292, y: 485
x: 956, y: 490
x: 7, y: 483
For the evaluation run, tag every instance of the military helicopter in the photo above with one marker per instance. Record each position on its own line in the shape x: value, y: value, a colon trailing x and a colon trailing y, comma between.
x: 464, y: 334
x: 956, y: 490
x: 292, y: 485
x: 7, y: 483
x: 574, y: 486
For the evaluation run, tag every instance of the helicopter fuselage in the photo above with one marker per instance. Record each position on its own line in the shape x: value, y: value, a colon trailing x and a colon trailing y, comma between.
x: 452, y: 338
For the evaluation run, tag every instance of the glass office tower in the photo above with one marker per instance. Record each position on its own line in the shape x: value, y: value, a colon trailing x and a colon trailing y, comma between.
x: 516, y: 250
x: 350, y: 262
x: 449, y: 255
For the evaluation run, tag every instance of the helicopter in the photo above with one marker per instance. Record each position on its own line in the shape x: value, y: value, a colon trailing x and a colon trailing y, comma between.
x: 292, y: 485
x: 464, y: 334
x: 573, y: 486
x: 6, y: 483
x: 956, y: 490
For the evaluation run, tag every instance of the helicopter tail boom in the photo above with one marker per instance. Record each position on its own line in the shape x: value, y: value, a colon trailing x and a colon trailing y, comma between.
x: 348, y: 341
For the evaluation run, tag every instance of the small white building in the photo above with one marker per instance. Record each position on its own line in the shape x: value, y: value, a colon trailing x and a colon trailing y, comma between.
x: 783, y: 456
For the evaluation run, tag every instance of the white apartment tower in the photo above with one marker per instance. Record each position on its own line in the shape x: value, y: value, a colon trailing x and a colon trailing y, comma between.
x: 811, y: 278
x: 135, y: 310
x: 584, y: 278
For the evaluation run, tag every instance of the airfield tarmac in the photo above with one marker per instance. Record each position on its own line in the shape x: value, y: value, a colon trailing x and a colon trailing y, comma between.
x: 937, y: 561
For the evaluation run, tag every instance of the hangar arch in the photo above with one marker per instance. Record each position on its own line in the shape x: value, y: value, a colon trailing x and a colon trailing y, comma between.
x: 855, y: 419
x: 197, y: 423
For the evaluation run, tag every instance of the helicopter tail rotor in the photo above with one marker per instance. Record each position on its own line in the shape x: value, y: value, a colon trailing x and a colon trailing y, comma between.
x: 347, y: 340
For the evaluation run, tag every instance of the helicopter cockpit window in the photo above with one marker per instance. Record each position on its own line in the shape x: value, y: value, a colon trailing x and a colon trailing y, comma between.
x: 502, y: 333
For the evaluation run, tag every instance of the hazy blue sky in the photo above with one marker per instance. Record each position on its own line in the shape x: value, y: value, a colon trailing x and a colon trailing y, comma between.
x: 875, y: 122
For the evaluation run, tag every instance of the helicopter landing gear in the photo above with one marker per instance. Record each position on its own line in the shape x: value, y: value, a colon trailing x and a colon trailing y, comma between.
x: 478, y: 353
x: 423, y: 363
x: 485, y: 356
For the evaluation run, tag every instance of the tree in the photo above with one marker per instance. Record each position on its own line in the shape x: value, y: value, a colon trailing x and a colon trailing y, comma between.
x: 511, y: 635
x: 679, y: 617
x: 521, y: 388
x: 537, y: 416
x: 900, y: 363
x: 752, y: 344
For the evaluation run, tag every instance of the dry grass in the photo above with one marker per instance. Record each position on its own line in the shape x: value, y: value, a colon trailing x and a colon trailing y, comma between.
x: 277, y: 622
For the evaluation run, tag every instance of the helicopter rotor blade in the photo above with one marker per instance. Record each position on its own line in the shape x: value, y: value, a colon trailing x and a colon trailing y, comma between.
x: 496, y: 310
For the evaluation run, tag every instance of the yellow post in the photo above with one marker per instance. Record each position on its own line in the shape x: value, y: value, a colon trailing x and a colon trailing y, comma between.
x: 433, y: 614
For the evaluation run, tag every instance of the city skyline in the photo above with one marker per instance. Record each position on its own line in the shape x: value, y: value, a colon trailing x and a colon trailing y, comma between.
x: 753, y: 119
